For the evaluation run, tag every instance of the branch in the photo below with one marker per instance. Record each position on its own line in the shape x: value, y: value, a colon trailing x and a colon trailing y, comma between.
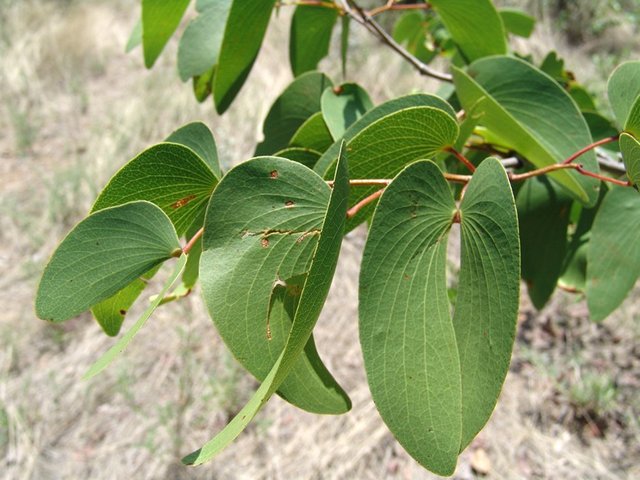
x: 187, y: 248
x: 462, y: 158
x: 584, y: 150
x: 364, y: 18
x: 363, y: 203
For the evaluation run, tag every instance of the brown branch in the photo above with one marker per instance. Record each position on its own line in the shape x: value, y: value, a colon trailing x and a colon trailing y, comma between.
x: 390, y: 5
x: 584, y: 150
x: 187, y: 248
x: 363, y: 203
x: 462, y: 158
x: 356, y: 12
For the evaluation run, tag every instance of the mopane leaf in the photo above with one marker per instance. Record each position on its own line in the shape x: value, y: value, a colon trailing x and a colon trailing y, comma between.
x: 170, y: 175
x: 299, y: 101
x: 488, y: 293
x: 411, y: 30
x: 633, y: 121
x: 630, y: 148
x: 344, y: 43
x: 613, y: 260
x: 406, y: 332
x: 314, y: 293
x: 434, y: 379
x: 305, y: 156
x: 543, y: 214
x: 475, y: 26
x: 517, y: 22
x: 533, y: 113
x: 159, y: 20
x: 110, y: 355
x: 101, y: 255
x: 246, y: 25
x: 386, y: 146
x: 198, y: 137
x: 261, y: 230
x: 344, y: 105
x: 313, y: 134
x: 311, y: 28
x: 200, y: 43
x: 415, y: 100
x: 624, y: 89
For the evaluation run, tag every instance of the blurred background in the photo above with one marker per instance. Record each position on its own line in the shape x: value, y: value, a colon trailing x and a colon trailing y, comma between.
x: 74, y: 108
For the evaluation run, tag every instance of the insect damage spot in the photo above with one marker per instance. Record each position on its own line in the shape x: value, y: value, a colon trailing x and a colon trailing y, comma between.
x: 182, y: 202
x: 264, y: 242
x: 289, y: 203
x: 274, y: 174
x: 123, y: 312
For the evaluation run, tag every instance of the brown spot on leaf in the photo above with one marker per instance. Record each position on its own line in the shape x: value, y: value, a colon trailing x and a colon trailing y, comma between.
x: 264, y: 242
x: 274, y: 174
x: 123, y: 312
x: 182, y: 202
x: 289, y: 204
x: 338, y: 89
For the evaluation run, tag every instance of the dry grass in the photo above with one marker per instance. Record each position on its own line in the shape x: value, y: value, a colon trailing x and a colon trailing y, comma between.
x: 73, y: 109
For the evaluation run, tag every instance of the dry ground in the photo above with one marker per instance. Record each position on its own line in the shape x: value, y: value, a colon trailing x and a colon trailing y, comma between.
x: 73, y: 108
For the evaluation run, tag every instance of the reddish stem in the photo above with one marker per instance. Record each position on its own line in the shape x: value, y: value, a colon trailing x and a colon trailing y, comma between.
x: 462, y: 158
x: 363, y: 203
x: 187, y: 248
x: 584, y: 150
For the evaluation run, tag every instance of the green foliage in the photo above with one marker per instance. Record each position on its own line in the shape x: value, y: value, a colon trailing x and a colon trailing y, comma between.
x: 264, y: 238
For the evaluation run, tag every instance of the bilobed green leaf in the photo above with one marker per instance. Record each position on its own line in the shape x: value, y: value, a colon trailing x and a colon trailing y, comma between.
x: 200, y: 43
x: 261, y: 229
x: 101, y: 255
x: 630, y: 148
x: 314, y: 292
x: 135, y: 38
x: 311, y: 28
x: 198, y: 137
x: 488, y: 293
x: 245, y: 29
x: 415, y: 100
x: 517, y: 22
x: 305, y: 156
x: 344, y: 105
x: 110, y: 355
x: 475, y: 26
x: 623, y: 89
x: 159, y: 20
x: 406, y: 332
x: 170, y: 175
x: 313, y: 134
x: 613, y: 262
x: 534, y: 114
x: 389, y: 144
x: 434, y: 379
x: 543, y: 214
x: 299, y: 101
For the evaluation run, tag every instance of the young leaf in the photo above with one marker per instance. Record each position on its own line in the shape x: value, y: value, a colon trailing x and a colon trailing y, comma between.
x: 261, y: 229
x: 407, y: 336
x: 534, y: 114
x: 613, y: 263
x: 159, y: 20
x: 311, y: 28
x: 543, y: 214
x: 488, y: 293
x: 517, y: 22
x: 630, y: 148
x: 200, y: 43
x: 475, y: 26
x: 198, y: 137
x: 415, y: 100
x: 344, y: 105
x: 314, y: 293
x: 110, y: 355
x: 313, y: 134
x: 170, y: 175
x: 299, y: 101
x: 623, y: 89
x: 245, y: 29
x: 101, y: 255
